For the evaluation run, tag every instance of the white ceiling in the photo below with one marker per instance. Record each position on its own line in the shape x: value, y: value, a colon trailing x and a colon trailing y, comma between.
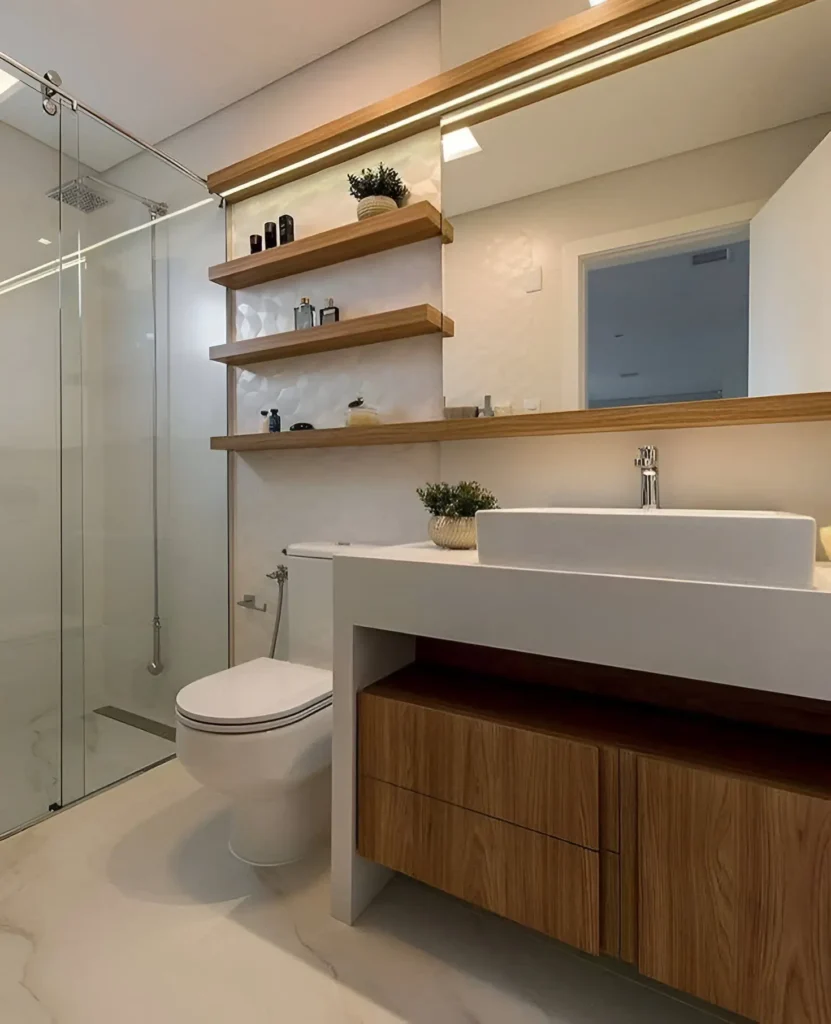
x: 758, y: 77
x: 158, y: 66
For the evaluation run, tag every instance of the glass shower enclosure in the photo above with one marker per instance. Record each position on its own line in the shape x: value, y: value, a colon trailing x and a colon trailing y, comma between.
x: 113, y: 546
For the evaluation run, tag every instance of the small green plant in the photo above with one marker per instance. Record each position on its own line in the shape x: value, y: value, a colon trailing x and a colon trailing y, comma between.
x: 461, y: 501
x: 380, y: 181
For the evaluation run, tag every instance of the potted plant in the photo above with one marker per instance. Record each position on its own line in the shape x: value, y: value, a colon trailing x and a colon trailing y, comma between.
x: 453, y: 510
x: 378, y: 190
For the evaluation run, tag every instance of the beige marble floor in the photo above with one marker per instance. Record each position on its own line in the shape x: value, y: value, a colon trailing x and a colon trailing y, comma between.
x: 128, y: 909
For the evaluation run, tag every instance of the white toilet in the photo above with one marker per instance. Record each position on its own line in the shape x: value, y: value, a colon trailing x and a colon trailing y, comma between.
x: 261, y: 732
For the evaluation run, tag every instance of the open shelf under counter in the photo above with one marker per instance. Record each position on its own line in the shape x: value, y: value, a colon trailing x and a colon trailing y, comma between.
x: 394, y: 325
x: 415, y: 223
x: 716, y: 413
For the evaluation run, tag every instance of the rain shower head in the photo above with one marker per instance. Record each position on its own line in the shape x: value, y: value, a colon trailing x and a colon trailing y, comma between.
x: 78, y: 194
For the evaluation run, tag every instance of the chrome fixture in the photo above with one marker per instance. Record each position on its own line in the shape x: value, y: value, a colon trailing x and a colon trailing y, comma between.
x: 647, y: 463
x: 281, y: 575
x: 249, y: 601
x: 51, y: 87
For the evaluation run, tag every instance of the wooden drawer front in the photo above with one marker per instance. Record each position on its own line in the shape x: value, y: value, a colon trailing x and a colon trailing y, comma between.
x: 522, y: 875
x: 543, y: 782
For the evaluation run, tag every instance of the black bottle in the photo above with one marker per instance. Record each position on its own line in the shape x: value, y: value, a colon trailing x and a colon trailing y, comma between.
x: 286, y: 229
x: 329, y: 314
x: 256, y: 243
x: 274, y: 422
x: 271, y: 235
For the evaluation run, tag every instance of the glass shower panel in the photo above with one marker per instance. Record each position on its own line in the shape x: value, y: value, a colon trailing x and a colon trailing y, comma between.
x: 153, y: 494
x: 30, y: 469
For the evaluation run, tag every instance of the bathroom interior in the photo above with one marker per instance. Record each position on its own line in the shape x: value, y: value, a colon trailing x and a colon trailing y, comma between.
x: 285, y: 719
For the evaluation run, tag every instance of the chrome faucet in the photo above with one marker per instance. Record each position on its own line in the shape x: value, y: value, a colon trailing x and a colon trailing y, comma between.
x: 647, y: 463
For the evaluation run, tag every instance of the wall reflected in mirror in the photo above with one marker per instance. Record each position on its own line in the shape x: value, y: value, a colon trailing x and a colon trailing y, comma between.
x: 660, y: 235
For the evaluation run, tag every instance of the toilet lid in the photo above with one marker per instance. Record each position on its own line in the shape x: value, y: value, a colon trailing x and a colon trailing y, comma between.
x: 259, y: 692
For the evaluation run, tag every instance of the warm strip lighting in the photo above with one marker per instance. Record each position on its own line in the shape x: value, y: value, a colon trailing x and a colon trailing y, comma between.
x: 614, y: 39
x: 44, y: 241
x: 51, y: 267
x: 460, y: 143
x: 655, y: 42
x: 596, y: 3
x: 32, y: 278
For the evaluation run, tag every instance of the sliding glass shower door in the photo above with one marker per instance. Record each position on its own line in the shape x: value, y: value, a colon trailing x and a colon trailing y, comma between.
x: 30, y: 459
x: 113, y: 510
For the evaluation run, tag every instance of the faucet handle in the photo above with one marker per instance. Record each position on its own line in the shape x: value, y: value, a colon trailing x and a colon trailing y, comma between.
x: 647, y: 457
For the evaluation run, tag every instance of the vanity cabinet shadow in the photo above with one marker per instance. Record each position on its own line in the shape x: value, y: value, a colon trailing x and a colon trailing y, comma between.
x: 734, y: 881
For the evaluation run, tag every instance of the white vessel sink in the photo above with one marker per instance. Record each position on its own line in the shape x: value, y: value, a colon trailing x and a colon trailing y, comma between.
x: 771, y: 549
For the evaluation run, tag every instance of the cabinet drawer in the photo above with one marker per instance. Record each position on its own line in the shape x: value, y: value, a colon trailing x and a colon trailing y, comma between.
x: 528, y: 877
x: 534, y: 779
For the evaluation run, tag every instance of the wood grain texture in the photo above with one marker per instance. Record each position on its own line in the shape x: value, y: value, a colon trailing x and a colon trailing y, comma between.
x: 520, y: 775
x: 628, y: 771
x: 412, y: 322
x: 735, y: 892
x: 610, y: 904
x: 522, y: 875
x: 688, y: 835
x: 315, y: 146
x: 672, y: 416
x: 410, y: 224
x: 693, y: 695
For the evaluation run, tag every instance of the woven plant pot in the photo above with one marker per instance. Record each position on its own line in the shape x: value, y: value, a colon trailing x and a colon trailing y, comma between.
x: 373, y: 205
x: 452, y: 532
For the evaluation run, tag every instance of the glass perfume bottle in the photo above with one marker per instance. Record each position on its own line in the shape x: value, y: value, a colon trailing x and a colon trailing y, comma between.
x: 256, y: 243
x: 286, y: 229
x: 270, y: 235
x: 304, y: 315
x: 329, y: 314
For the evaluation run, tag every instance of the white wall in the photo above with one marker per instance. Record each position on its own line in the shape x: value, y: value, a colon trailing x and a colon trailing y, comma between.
x: 516, y: 345
x: 790, y: 271
x: 468, y: 31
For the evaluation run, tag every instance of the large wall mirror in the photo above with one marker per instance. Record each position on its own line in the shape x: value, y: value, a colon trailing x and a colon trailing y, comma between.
x: 660, y: 235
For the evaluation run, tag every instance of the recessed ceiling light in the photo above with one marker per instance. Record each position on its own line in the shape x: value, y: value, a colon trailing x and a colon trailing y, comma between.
x: 44, y: 241
x: 8, y: 85
x: 596, y: 3
x: 460, y: 143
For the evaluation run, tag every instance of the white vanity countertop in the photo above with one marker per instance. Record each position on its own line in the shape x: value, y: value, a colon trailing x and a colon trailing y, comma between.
x: 763, y: 638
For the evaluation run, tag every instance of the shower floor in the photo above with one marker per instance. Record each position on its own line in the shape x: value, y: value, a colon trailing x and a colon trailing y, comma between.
x: 29, y: 762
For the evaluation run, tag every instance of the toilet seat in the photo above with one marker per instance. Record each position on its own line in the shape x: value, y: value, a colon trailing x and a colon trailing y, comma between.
x: 257, y: 696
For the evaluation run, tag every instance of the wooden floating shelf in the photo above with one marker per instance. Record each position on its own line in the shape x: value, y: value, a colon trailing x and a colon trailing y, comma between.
x: 715, y: 413
x: 413, y: 322
x: 410, y: 224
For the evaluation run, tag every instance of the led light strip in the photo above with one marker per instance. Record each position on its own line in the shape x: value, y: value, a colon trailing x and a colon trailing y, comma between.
x: 33, y: 277
x: 611, y: 58
x: 53, y: 266
x: 579, y: 53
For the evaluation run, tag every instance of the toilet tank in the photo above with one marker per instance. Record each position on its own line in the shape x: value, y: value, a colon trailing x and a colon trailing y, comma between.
x: 310, y: 603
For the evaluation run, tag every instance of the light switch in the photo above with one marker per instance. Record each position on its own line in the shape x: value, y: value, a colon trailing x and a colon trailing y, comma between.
x: 531, y: 280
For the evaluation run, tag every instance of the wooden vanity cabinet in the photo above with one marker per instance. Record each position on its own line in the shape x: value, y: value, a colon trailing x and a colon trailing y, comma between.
x: 694, y: 848
x: 734, y: 892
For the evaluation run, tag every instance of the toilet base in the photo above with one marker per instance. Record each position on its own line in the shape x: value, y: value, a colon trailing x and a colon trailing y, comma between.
x: 282, y: 827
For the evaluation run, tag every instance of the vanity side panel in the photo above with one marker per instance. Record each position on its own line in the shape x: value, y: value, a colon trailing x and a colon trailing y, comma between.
x: 533, y: 779
x: 530, y: 878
